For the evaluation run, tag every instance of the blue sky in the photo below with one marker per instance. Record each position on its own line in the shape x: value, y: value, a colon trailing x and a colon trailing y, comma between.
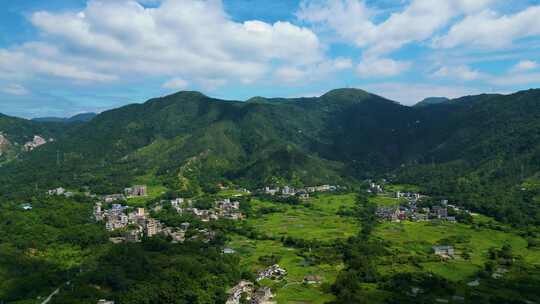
x: 63, y: 57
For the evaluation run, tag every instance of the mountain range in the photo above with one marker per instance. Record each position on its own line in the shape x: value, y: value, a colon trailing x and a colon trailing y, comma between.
x: 83, y: 117
x: 190, y: 141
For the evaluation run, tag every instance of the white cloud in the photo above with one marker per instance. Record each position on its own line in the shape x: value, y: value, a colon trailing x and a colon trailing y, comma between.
x: 488, y: 29
x: 350, y: 19
x: 29, y: 59
x: 461, y: 72
x: 411, y: 93
x: 299, y: 75
x: 15, y: 89
x: 111, y: 40
x: 353, y: 21
x: 175, y: 84
x: 381, y: 67
x: 525, y: 65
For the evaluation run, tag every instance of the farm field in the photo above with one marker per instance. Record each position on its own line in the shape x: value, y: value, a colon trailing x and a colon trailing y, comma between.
x: 317, y: 221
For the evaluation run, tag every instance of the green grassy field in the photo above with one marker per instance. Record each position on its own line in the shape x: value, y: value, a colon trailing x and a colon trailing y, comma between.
x: 417, y: 238
x: 231, y: 193
x: 386, y: 200
x: 401, y: 187
x: 317, y: 221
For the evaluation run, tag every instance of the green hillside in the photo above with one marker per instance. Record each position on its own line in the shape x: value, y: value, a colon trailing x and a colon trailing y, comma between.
x: 15, y: 132
x: 190, y: 141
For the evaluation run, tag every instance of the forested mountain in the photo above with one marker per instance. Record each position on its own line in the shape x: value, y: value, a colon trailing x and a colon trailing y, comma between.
x: 191, y: 141
x: 15, y: 132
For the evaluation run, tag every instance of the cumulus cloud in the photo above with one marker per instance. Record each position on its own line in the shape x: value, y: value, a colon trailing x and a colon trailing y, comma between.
x: 381, y: 67
x: 354, y: 21
x: 461, y: 72
x: 488, y: 29
x: 15, y: 89
x: 111, y: 40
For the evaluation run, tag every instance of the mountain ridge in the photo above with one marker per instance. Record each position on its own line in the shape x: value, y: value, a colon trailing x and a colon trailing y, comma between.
x: 429, y: 101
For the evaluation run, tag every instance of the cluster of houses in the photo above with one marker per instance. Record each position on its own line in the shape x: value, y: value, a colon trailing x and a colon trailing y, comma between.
x: 134, y: 191
x: 408, y: 195
x: 301, y: 192
x: 404, y: 213
x: 109, y: 198
x: 273, y: 272
x: 261, y: 295
x: 375, y: 188
x: 410, y: 211
x: 60, y: 191
x: 225, y: 209
x: 137, y: 223
x: 36, y: 142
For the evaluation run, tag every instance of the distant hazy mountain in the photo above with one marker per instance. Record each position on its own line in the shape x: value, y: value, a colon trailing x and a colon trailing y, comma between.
x: 83, y: 117
x: 431, y: 101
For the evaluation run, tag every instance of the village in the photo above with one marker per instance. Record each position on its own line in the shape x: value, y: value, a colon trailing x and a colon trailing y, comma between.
x: 410, y: 208
x: 136, y: 223
x: 225, y: 209
x: 302, y: 193
x: 260, y: 295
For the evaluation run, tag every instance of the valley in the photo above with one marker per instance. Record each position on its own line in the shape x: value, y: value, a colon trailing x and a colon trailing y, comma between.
x: 198, y: 200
